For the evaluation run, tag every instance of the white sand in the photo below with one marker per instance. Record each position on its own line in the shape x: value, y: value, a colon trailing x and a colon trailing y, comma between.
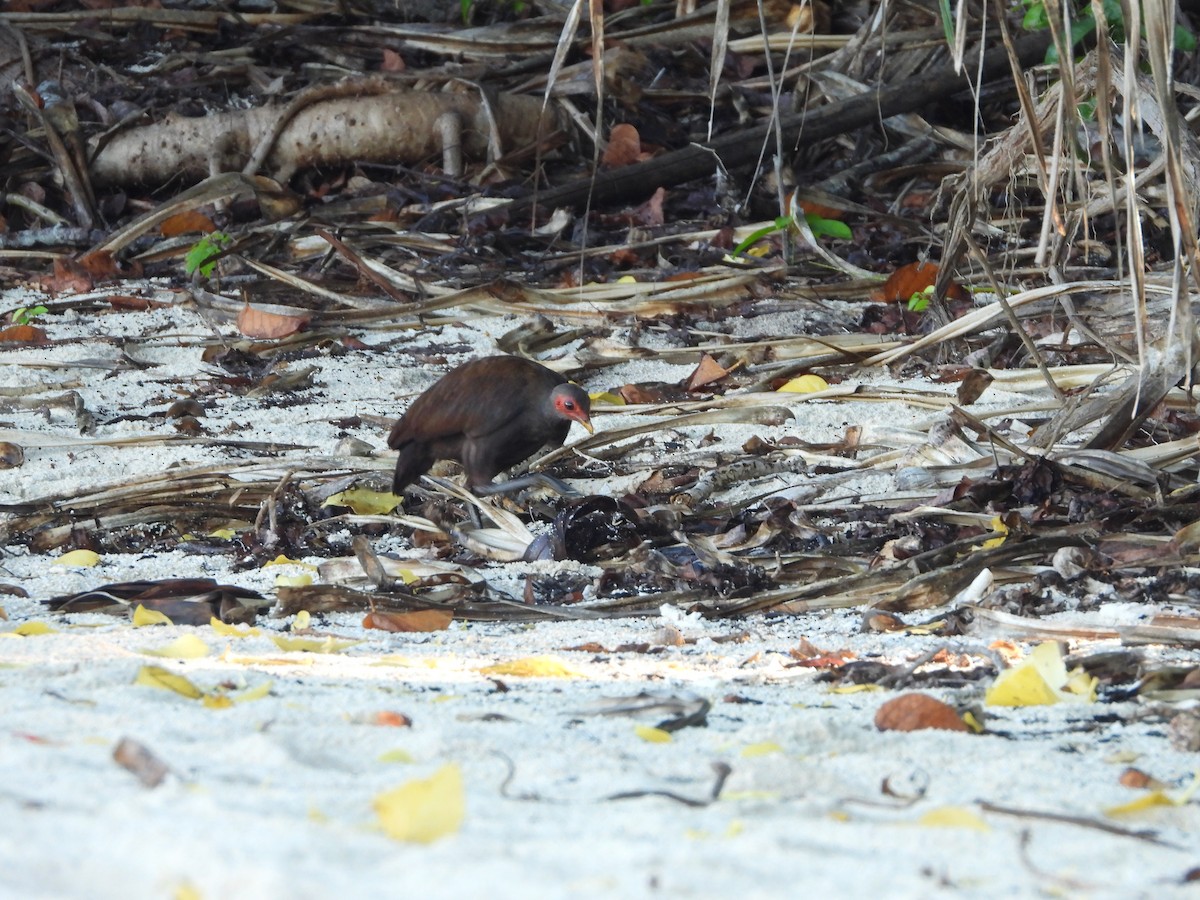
x: 273, y: 798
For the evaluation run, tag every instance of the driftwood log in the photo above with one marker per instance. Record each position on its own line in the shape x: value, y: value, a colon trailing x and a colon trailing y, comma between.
x: 389, y: 128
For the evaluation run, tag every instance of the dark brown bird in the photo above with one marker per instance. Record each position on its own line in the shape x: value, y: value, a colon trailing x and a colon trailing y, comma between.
x: 489, y: 414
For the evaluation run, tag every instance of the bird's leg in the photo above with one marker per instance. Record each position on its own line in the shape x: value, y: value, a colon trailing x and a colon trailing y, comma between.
x: 533, y: 479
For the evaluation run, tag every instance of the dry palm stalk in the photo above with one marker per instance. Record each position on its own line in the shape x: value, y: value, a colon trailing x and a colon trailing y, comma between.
x: 992, y: 621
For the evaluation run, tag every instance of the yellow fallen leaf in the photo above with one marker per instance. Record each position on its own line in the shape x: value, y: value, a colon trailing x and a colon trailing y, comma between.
x: 232, y: 631
x: 186, y: 646
x: 1147, y: 801
x: 805, y: 384
x: 1151, y: 799
x: 763, y: 748
x: 223, y: 534
x: 627, y: 279
x: 282, y: 560
x: 855, y: 689
x: 652, y: 735
x: 533, y: 667
x: 32, y: 629
x: 607, y: 397
x: 395, y: 659
x: 158, y: 677
x: 971, y: 722
x: 302, y: 620
x: 217, y: 701
x: 312, y: 645
x: 953, y: 817
x: 749, y: 795
x: 293, y: 580
x: 396, y: 756
x: 424, y: 809
x: 1122, y: 757
x: 997, y: 525
x: 254, y: 693
x: 266, y: 660
x: 364, y: 502
x: 143, y: 617
x: 1041, y: 680
x: 83, y: 559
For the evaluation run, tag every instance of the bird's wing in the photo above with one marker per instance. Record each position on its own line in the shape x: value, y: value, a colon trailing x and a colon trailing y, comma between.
x: 471, y: 401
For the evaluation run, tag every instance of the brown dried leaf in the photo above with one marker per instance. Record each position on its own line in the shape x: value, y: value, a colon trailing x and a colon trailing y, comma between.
x: 392, y: 61
x: 913, y: 279
x: 141, y: 761
x: 258, y: 323
x: 391, y: 719
x: 624, y: 147
x: 651, y: 212
x: 102, y: 266
x: 418, y: 620
x: 69, y: 277
x: 22, y: 334
x: 708, y: 371
x: 187, y: 222
x: 1139, y: 780
x: 973, y: 386
x: 916, y: 712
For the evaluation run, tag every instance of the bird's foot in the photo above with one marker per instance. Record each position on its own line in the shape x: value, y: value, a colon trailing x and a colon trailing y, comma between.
x: 533, y: 479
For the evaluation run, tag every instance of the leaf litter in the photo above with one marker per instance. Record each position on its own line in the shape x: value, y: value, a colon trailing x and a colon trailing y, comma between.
x: 1011, y: 466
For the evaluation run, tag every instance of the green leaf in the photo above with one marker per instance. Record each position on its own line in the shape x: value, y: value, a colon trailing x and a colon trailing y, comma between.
x: 757, y: 235
x: 1035, y: 17
x: 919, y: 301
x: 828, y: 228
x: 1185, y: 41
x: 203, y: 256
x: 27, y: 314
x: 947, y: 17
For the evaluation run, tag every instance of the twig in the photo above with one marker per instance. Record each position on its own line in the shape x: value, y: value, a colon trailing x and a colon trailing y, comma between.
x: 1145, y: 835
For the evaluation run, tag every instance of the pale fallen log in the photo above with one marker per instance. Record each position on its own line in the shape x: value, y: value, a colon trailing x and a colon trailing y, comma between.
x: 397, y: 126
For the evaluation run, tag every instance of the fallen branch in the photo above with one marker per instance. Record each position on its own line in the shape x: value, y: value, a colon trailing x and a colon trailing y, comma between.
x: 393, y: 126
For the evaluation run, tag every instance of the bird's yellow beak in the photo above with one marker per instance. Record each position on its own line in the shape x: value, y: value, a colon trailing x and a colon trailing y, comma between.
x: 587, y: 423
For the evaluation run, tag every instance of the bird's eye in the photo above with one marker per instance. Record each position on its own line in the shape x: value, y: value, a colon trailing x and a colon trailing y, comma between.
x: 569, y: 404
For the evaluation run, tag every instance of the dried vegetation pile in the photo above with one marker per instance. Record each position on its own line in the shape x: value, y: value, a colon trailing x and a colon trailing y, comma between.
x: 610, y: 174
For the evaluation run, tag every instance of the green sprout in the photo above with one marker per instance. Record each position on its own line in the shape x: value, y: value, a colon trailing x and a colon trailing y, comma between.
x: 820, y: 228
x: 919, y: 302
x: 27, y: 314
x: 204, y: 255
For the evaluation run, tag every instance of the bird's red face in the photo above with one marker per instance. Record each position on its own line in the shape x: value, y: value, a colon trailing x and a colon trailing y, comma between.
x: 569, y: 407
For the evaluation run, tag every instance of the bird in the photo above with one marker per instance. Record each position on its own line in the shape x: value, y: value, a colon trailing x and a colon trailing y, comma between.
x: 489, y: 414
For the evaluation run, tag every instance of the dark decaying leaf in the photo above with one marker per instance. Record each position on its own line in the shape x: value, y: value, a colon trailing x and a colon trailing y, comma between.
x: 186, y: 601
x: 594, y: 528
